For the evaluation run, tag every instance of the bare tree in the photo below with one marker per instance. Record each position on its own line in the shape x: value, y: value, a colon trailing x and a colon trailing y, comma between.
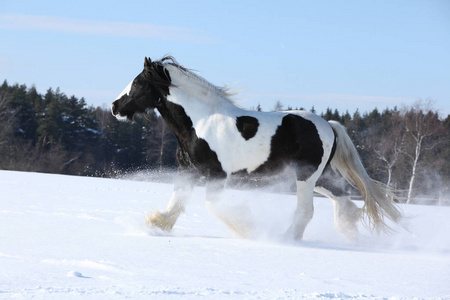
x: 420, y: 123
x: 104, y: 117
x: 389, y: 145
x: 160, y: 143
x: 162, y: 126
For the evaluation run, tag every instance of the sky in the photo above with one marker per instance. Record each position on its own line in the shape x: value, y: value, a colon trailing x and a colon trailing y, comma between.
x: 344, y: 55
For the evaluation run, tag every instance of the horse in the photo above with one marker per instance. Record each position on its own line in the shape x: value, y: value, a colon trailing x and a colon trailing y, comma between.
x: 218, y: 139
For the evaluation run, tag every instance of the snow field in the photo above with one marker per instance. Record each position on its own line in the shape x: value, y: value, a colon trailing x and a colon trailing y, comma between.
x: 63, y: 237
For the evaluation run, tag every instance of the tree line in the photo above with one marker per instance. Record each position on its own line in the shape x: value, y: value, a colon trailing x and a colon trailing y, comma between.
x: 407, y: 148
x: 54, y: 133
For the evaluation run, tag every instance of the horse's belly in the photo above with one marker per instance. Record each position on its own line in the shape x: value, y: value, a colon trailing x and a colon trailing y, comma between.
x: 236, y: 154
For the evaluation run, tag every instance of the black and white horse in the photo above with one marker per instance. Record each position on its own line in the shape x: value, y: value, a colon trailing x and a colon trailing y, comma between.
x: 216, y: 139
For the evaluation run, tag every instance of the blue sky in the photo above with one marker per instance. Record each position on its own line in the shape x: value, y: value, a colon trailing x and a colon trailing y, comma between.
x: 338, y: 54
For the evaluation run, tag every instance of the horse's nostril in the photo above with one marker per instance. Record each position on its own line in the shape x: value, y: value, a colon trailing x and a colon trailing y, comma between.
x: 113, y: 109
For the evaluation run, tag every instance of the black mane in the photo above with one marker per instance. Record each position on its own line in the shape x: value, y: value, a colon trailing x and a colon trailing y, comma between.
x: 156, y: 73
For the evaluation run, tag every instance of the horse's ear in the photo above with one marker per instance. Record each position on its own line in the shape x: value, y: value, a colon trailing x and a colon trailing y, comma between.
x: 148, y: 62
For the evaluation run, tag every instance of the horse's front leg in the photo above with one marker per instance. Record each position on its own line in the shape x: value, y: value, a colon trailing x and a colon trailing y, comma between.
x: 180, y: 196
x: 305, y: 209
x: 236, y: 218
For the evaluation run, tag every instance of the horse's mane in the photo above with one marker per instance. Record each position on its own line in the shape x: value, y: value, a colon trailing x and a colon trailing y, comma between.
x: 221, y: 91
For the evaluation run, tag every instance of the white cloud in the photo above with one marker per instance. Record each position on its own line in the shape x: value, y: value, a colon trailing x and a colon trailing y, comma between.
x: 104, y: 28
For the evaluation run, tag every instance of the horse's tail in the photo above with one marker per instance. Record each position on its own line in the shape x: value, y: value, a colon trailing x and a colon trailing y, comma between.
x: 377, y: 197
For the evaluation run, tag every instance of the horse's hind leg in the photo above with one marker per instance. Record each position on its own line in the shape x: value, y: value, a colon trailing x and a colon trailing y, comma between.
x: 235, y: 218
x: 304, y: 211
x: 346, y: 213
x: 346, y: 217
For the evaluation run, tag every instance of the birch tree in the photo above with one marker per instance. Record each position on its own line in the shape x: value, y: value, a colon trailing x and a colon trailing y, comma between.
x: 420, y: 123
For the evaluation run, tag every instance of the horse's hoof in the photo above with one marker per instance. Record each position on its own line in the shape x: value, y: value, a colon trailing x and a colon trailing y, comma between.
x: 159, y: 220
x: 154, y: 219
x: 292, y: 236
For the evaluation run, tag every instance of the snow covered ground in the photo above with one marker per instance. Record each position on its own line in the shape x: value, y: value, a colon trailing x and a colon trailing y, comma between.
x: 63, y: 237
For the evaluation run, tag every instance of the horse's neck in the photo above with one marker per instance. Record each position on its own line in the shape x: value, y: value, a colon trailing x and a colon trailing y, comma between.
x: 189, y: 103
x: 199, y: 98
x: 199, y: 101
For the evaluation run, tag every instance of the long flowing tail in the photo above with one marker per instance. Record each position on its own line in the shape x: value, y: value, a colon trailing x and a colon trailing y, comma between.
x: 377, y: 197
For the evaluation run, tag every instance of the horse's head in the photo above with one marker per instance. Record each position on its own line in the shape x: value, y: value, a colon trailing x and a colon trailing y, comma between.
x: 144, y: 93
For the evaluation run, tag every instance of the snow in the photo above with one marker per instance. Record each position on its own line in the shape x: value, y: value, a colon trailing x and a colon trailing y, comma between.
x: 66, y: 237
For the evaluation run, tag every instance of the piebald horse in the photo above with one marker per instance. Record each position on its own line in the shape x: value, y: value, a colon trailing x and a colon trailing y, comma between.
x: 217, y: 139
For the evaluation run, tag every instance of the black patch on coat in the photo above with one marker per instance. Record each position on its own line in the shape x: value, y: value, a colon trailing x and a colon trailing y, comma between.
x: 193, y: 153
x: 296, y: 143
x: 247, y: 126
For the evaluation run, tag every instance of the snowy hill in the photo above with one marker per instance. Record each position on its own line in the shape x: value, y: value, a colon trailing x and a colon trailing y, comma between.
x: 64, y: 237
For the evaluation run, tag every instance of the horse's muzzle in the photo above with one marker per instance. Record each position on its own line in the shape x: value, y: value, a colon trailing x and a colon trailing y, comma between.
x: 114, y: 109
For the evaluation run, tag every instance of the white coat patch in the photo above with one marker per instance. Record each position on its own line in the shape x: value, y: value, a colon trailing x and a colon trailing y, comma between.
x: 126, y: 90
